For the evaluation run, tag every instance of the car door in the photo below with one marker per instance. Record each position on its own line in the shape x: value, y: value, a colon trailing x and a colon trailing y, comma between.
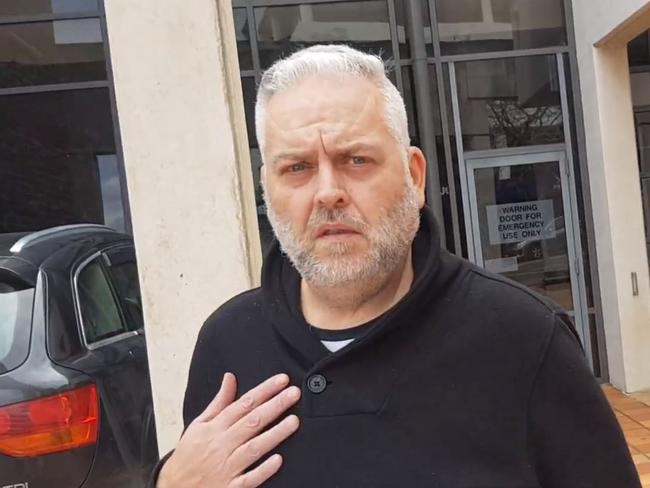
x: 123, y: 272
x: 112, y: 333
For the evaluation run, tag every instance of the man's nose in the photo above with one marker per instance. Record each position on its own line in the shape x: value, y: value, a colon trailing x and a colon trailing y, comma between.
x: 330, y: 192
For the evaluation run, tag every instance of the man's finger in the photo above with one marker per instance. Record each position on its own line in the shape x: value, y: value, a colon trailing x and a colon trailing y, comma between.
x: 251, y: 399
x: 224, y: 397
x: 264, y: 415
x: 250, y: 452
x: 259, y: 475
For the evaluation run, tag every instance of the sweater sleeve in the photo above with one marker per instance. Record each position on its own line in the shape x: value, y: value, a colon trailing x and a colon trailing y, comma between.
x: 574, y: 439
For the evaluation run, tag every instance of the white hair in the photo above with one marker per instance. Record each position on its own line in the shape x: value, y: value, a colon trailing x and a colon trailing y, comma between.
x: 332, y: 59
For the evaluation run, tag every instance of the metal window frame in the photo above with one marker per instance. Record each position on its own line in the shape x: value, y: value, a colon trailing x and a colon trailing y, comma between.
x: 117, y: 134
x: 503, y: 54
x: 573, y: 208
x: 252, y: 39
x: 47, y: 18
x: 273, y: 3
x: 461, y: 166
x: 30, y: 19
x: 55, y: 87
x: 444, y: 122
x: 397, y: 64
x: 582, y: 164
x: 91, y: 346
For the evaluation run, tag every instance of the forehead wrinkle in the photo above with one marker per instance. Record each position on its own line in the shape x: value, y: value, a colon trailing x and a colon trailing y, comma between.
x: 352, y: 126
x: 339, y: 127
x: 322, y: 142
x: 289, y: 137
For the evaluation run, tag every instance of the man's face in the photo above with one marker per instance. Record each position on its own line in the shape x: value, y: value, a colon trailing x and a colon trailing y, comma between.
x: 343, y: 196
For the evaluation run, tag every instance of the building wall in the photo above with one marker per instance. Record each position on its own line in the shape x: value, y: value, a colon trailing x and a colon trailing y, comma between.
x: 188, y: 176
x: 603, y: 28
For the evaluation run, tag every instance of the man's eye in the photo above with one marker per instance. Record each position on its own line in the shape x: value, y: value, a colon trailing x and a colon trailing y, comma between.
x: 297, y: 167
x: 358, y: 160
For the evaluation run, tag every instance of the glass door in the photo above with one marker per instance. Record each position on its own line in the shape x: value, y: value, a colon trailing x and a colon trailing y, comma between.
x: 522, y: 225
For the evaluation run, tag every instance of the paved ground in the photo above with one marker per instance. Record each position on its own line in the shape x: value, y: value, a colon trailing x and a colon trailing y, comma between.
x: 633, y: 413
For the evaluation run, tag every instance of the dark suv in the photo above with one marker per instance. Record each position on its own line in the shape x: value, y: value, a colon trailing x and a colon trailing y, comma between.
x: 75, y: 397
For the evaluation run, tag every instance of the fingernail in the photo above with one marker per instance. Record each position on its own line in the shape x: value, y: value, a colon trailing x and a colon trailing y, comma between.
x: 293, y: 420
x: 282, y: 379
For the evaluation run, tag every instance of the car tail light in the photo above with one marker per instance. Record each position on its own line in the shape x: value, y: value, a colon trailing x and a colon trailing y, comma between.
x: 50, y: 424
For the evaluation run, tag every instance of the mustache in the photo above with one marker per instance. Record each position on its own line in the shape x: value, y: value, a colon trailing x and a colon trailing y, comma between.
x: 336, y: 216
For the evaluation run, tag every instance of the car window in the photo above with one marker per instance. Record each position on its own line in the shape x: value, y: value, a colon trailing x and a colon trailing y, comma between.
x: 100, y: 312
x: 16, y: 304
x: 124, y: 271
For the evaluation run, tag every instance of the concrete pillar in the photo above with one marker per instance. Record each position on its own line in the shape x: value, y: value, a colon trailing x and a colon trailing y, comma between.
x: 603, y: 29
x: 190, y: 186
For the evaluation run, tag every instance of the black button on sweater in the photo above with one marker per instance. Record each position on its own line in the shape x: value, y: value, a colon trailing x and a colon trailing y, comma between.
x: 470, y: 381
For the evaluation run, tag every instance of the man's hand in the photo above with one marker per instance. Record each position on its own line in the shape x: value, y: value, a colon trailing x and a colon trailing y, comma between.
x: 229, y: 436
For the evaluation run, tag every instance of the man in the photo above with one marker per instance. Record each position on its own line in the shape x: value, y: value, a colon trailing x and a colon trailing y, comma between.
x: 410, y: 367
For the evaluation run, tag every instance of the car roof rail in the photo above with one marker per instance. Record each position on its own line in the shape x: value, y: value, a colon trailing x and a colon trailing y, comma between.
x: 42, y: 235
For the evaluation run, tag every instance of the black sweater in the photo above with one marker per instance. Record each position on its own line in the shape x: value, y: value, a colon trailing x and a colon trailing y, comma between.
x: 470, y: 381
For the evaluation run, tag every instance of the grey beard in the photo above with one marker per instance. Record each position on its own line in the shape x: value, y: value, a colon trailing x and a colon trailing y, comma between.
x: 389, y: 243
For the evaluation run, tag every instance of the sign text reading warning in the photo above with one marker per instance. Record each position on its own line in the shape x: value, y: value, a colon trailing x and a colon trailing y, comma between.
x: 515, y: 222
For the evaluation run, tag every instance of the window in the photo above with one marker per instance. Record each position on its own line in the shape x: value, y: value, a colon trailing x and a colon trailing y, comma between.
x: 38, y: 7
x: 58, y: 164
x: 60, y: 161
x: 100, y: 312
x: 510, y: 102
x: 123, y: 271
x: 471, y: 26
x: 459, y: 11
x: 16, y: 301
x: 44, y: 53
x: 638, y: 50
x: 282, y: 30
x: 243, y: 39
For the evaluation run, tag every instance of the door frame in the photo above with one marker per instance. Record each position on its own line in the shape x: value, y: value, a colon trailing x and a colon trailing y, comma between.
x: 518, y: 158
x: 567, y: 148
x: 494, y: 161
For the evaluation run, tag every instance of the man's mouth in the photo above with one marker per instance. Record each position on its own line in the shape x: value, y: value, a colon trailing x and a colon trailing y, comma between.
x: 335, y: 230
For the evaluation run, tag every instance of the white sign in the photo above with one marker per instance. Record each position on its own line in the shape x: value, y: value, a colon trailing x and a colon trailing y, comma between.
x: 524, y: 221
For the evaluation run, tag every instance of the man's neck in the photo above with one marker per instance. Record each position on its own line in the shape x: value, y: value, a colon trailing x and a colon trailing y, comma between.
x: 346, y: 306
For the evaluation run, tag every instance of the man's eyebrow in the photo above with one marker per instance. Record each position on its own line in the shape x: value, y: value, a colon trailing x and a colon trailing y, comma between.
x: 357, y: 146
x: 300, y: 155
x: 288, y: 155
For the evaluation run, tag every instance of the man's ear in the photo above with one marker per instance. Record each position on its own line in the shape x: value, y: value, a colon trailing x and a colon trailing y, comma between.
x: 418, y: 172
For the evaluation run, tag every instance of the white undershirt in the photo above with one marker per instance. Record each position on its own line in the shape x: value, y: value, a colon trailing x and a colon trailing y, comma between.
x: 334, y: 346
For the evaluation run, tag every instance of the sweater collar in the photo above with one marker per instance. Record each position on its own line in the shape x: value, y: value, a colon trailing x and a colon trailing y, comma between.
x: 281, y: 291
